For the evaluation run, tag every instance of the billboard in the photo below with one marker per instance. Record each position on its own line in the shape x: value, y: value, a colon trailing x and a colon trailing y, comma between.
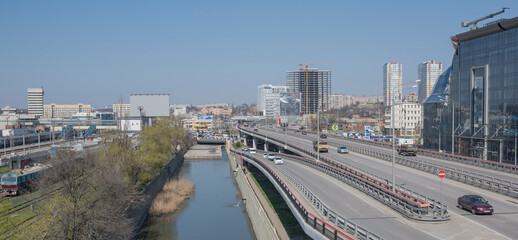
x: 149, y: 105
x: 204, y: 117
x: 335, y: 127
x: 290, y: 104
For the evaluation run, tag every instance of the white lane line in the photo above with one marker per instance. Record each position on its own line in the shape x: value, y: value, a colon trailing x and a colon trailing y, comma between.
x: 481, y: 225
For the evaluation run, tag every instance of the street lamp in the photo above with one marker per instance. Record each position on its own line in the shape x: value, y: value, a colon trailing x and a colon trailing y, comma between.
x: 392, y: 123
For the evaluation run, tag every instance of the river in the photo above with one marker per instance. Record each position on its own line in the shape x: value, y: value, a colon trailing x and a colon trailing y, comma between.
x: 214, y: 212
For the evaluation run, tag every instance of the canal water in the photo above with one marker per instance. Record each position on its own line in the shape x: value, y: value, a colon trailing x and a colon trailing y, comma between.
x: 214, y: 212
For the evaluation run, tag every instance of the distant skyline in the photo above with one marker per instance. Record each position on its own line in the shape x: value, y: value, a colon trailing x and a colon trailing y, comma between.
x: 95, y: 52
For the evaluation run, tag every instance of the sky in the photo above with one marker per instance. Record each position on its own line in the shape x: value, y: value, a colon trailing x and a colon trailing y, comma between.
x: 100, y: 52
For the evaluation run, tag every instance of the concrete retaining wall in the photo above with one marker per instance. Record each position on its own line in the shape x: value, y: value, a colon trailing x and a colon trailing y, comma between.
x: 261, y: 224
x: 139, y: 213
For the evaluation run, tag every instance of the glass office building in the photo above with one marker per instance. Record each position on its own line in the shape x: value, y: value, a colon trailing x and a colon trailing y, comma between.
x: 476, y: 99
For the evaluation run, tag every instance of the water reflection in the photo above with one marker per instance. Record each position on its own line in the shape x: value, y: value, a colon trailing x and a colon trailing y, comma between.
x: 214, y: 212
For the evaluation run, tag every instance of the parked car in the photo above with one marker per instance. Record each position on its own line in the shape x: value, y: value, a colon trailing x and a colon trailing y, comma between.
x: 265, y: 155
x: 256, y: 130
x: 252, y: 150
x: 342, y: 149
x: 323, y: 135
x: 304, y: 133
x: 271, y: 156
x: 244, y: 149
x: 475, y: 203
x: 278, y: 161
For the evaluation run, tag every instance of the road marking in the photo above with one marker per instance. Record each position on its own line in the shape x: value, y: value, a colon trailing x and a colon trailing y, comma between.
x: 483, y: 226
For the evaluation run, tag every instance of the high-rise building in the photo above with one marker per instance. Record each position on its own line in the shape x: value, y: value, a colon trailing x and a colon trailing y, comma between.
x: 121, y: 110
x: 315, y: 93
x: 411, y: 97
x: 392, y: 78
x: 65, y: 111
x: 427, y: 72
x: 35, y: 101
x: 268, y: 99
x: 473, y: 108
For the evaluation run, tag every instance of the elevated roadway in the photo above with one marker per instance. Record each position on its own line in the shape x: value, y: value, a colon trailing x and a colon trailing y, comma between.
x: 501, y: 224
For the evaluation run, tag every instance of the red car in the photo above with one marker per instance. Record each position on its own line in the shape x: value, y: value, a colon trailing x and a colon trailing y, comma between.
x: 475, y: 203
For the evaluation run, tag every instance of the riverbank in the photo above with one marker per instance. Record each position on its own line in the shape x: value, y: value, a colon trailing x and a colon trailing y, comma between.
x: 169, y: 200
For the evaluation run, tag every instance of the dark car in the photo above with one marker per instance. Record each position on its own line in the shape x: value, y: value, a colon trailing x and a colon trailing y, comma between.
x: 256, y: 130
x: 342, y: 149
x: 476, y: 204
x: 323, y: 135
x: 304, y: 133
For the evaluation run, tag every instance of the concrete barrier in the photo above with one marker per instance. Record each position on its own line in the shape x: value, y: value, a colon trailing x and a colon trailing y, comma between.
x: 261, y: 223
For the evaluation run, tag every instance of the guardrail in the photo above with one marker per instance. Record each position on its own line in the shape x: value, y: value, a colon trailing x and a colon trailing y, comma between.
x: 328, y: 230
x: 489, y: 183
x: 510, y: 168
x: 408, y: 203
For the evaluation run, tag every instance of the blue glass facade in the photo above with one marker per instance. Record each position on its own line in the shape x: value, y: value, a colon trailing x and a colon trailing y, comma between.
x: 480, y: 101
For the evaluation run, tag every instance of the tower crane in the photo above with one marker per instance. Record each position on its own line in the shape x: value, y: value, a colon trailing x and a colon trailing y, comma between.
x: 307, y: 89
x: 474, y: 22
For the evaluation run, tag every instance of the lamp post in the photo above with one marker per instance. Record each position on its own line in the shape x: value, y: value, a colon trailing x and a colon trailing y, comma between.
x: 392, y: 123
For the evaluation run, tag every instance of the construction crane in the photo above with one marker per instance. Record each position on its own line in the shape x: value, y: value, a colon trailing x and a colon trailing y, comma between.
x: 474, y: 23
x: 307, y: 89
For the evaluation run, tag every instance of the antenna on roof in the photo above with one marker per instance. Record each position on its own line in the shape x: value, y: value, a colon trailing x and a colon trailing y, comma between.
x: 474, y: 23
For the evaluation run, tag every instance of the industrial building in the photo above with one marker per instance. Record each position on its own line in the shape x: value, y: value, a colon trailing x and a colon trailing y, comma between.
x: 314, y: 88
x: 473, y: 109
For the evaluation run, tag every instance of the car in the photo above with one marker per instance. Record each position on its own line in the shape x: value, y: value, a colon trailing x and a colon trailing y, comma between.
x: 265, y: 155
x: 244, y: 149
x: 252, y: 150
x: 278, y: 161
x: 323, y: 135
x: 297, y: 131
x: 271, y: 156
x: 342, y: 149
x: 256, y: 130
x: 475, y: 203
x: 304, y: 133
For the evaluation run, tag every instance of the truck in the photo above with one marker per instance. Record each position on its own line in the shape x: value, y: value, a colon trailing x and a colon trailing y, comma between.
x: 321, y: 146
x: 407, y: 149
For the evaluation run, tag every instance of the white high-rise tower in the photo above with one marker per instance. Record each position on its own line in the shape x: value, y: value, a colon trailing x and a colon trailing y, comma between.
x: 392, y: 78
x: 427, y: 72
x: 35, y: 101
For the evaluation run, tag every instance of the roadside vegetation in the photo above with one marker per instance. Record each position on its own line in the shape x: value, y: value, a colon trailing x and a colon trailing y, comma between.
x: 173, y: 194
x: 87, y: 197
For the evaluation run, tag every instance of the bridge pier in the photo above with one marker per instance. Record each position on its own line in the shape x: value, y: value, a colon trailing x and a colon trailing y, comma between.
x: 254, y: 143
x: 265, y: 146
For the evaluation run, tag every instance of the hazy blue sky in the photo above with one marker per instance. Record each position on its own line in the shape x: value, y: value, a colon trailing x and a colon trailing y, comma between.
x: 93, y: 52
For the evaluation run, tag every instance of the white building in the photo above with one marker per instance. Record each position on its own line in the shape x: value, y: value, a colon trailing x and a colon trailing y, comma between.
x: 427, y: 72
x: 407, y: 120
x: 392, y: 78
x: 178, y: 110
x: 35, y: 101
x: 121, y: 110
x: 268, y: 99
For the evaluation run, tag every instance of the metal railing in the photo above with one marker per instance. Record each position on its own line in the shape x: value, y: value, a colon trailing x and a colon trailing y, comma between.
x: 326, y: 229
x: 408, y: 203
x: 479, y: 180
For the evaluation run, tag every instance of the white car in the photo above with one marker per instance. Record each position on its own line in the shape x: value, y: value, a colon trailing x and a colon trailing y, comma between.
x: 271, y: 156
x: 252, y: 150
x: 278, y: 161
x: 265, y: 155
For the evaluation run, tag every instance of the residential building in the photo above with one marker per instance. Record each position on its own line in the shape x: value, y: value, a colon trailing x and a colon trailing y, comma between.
x: 473, y: 108
x: 411, y: 97
x: 314, y: 91
x: 268, y: 99
x: 337, y: 101
x: 35, y: 101
x: 427, y: 72
x: 407, y: 120
x: 392, y: 78
x: 65, y: 111
x: 121, y: 110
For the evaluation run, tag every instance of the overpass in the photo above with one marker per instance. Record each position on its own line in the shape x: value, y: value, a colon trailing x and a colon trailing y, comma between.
x: 462, y: 224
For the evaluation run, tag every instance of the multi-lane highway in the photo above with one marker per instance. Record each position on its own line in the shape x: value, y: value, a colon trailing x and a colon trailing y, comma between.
x: 463, y: 224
